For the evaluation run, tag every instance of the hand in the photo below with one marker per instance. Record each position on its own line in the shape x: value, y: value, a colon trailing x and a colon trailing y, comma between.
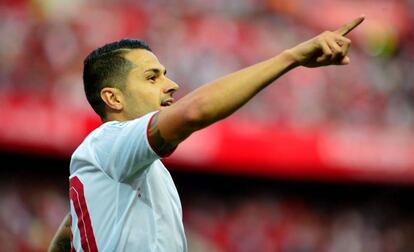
x: 328, y: 48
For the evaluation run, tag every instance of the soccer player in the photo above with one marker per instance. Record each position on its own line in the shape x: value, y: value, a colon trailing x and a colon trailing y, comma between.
x: 122, y: 196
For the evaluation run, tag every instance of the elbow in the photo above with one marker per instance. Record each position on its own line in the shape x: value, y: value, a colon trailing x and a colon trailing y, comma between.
x: 197, y: 115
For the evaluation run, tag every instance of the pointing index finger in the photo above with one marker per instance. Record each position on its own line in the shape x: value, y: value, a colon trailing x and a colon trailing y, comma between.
x: 346, y: 28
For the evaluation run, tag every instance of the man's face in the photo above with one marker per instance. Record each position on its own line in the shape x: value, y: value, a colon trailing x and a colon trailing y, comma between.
x: 147, y: 87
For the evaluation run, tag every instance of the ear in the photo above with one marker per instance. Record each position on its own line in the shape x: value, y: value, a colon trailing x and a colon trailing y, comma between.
x: 112, y: 98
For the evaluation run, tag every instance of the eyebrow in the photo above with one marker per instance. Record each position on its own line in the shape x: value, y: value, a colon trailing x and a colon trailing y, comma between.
x: 156, y: 70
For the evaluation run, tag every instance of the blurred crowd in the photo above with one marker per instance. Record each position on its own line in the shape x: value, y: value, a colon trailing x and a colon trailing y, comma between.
x: 282, y: 224
x: 30, y: 214
x: 43, y: 44
x: 240, y: 222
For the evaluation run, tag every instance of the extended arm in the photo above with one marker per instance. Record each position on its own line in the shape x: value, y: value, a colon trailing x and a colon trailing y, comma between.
x: 220, y: 98
x: 61, y: 240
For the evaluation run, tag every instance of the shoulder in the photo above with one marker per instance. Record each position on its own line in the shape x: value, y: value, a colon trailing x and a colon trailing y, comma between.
x: 110, y: 126
x: 109, y: 132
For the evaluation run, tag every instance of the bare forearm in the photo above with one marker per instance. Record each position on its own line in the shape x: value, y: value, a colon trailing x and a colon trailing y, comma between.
x: 61, y: 240
x: 220, y: 98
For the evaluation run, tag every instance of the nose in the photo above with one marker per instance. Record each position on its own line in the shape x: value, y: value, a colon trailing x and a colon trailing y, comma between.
x: 171, y: 86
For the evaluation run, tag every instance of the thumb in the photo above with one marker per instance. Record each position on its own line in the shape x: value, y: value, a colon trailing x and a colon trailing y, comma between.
x: 345, y: 61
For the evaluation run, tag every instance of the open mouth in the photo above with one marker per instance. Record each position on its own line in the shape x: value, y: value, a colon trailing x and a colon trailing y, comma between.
x: 167, y: 102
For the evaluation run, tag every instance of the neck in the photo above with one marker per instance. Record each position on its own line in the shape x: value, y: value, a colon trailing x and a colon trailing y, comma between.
x: 115, y: 117
x: 120, y: 117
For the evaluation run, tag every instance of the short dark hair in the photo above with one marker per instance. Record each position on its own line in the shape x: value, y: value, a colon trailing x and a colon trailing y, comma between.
x: 106, y: 66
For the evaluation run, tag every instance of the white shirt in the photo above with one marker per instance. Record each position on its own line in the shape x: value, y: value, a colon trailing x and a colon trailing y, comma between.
x: 122, y: 196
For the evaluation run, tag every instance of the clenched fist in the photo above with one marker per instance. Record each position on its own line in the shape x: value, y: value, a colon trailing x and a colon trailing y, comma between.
x: 328, y: 48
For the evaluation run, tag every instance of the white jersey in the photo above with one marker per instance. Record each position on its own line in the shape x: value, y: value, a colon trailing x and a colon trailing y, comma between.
x: 122, y: 196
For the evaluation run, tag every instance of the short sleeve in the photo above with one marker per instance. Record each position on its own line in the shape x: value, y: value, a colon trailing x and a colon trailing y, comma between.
x: 124, y: 147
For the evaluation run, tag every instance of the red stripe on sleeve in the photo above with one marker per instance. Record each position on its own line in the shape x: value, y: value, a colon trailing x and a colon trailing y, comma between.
x: 84, y: 221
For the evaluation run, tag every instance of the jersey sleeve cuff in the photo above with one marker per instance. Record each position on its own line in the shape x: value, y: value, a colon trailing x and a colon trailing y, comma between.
x: 152, y: 147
